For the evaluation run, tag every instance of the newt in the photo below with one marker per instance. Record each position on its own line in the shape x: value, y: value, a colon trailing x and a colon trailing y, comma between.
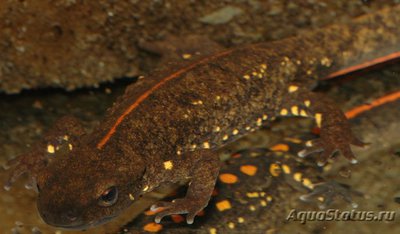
x: 168, y: 126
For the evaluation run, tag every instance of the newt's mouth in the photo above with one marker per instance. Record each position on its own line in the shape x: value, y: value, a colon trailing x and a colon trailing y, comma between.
x: 80, y: 225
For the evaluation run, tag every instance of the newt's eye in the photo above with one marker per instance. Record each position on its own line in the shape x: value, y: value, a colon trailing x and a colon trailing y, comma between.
x: 109, y: 197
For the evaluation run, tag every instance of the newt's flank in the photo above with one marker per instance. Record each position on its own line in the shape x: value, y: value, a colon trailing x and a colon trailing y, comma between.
x: 168, y: 126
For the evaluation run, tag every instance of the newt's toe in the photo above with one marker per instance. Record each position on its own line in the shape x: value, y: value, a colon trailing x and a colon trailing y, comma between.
x: 191, y: 207
x: 326, y: 192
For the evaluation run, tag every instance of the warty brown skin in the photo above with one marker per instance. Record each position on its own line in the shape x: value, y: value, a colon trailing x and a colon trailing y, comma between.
x: 166, y: 127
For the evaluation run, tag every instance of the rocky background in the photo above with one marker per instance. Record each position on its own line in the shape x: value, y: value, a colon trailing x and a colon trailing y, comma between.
x: 76, y: 43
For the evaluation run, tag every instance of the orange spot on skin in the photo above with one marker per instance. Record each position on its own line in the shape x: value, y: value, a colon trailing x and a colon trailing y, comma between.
x: 248, y: 169
x: 141, y: 98
x: 280, y: 147
x: 201, y: 213
x: 153, y: 212
x: 316, y: 131
x: 177, y: 218
x: 223, y: 205
x: 378, y: 102
x: 228, y: 178
x: 214, y: 192
x: 152, y: 227
x: 237, y: 155
x: 275, y: 169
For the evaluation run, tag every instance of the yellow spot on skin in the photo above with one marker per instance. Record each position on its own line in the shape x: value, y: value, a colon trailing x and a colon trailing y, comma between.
x: 228, y: 178
x: 231, y: 225
x: 247, y: 77
x: 235, y: 132
x: 186, y: 56
x: 248, y: 128
x: 262, y: 70
x: 269, y: 198
x: 223, y: 205
x: 253, y: 194
x: 217, y: 129
x: 252, y: 208
x: 145, y: 188
x: 65, y: 138
x: 131, y: 197
x: 240, y: 220
x: 168, y: 165
x: 293, y: 88
x: 309, y: 143
x: 294, y: 140
x: 225, y: 137
x: 193, y: 146
x: 325, y: 61
x: 307, y: 103
x: 284, y: 112
x: 286, y: 169
x: 263, y: 203
x: 318, y: 119
x: 259, y: 122
x: 248, y: 170
x: 280, y: 147
x: 295, y: 110
x: 275, y: 169
x: 51, y: 149
x: 264, y: 117
x: 309, y: 72
x: 254, y: 73
x: 198, y: 102
x: 297, y: 176
x: 213, y: 231
x: 152, y: 227
x: 262, y: 194
x: 264, y: 66
x: 303, y: 113
x: 321, y: 199
x: 70, y: 147
x: 185, y: 116
x: 308, y: 183
x: 218, y: 98
x: 206, y: 145
x: 178, y: 152
x: 260, y: 75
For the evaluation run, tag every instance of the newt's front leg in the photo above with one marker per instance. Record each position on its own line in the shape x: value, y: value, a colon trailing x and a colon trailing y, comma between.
x: 62, y: 136
x: 203, y: 176
x: 335, y: 131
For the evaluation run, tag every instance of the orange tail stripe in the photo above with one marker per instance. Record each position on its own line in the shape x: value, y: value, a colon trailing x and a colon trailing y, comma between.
x: 150, y: 91
x: 361, y: 66
x: 378, y: 102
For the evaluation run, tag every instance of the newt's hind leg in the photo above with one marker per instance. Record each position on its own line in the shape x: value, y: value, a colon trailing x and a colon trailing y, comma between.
x: 335, y: 134
x: 61, y: 137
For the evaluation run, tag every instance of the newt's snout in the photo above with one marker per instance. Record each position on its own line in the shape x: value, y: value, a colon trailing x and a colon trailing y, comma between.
x: 68, y: 218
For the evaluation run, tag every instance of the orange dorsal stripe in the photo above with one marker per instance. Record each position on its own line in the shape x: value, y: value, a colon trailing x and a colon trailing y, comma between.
x: 143, y: 97
x: 377, y: 102
x: 361, y: 66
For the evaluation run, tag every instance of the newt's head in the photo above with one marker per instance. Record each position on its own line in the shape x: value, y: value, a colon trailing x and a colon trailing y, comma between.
x: 88, y: 187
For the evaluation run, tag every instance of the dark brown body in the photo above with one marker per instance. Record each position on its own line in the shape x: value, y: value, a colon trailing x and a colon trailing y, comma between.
x: 167, y: 126
x: 171, y: 118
